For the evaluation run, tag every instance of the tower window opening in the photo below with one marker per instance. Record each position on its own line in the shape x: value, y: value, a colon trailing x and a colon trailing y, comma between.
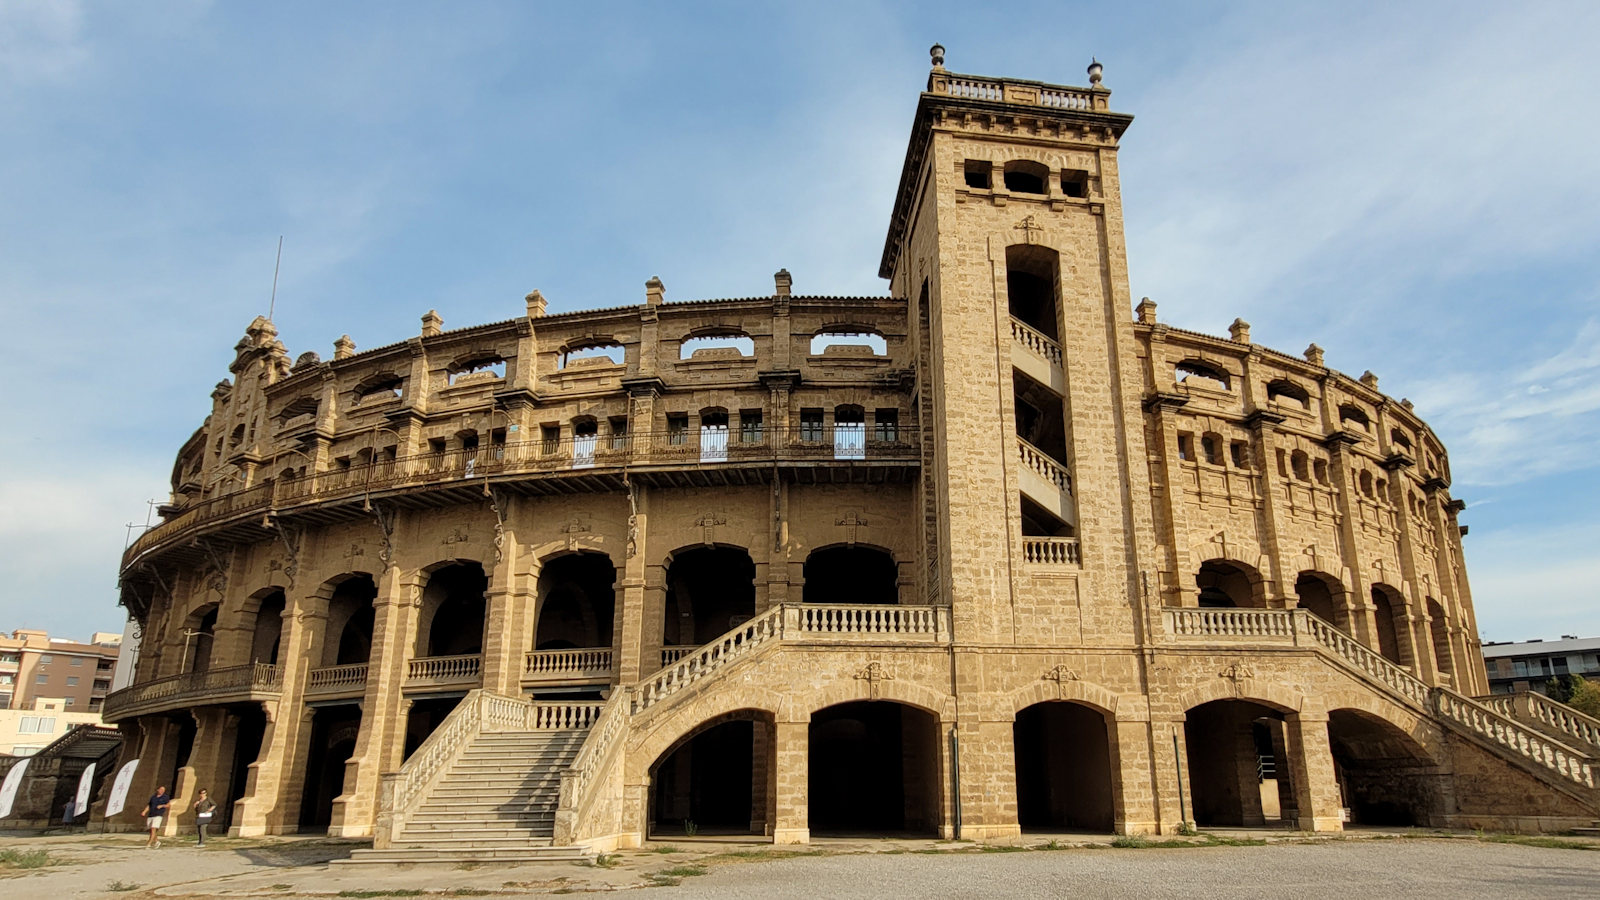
x: 976, y: 172
x: 1301, y: 464
x: 1031, y: 279
x: 677, y: 428
x: 549, y: 438
x: 1025, y: 177
x: 1186, y: 447
x: 1241, y: 454
x: 1320, y: 467
x: 1211, y: 447
x: 619, y: 432
x: 1075, y: 183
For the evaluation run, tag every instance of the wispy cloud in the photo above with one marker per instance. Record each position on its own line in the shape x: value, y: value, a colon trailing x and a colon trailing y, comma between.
x: 41, y: 40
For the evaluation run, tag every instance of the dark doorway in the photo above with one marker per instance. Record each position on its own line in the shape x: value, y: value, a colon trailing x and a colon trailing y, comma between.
x: 1385, y: 778
x: 1234, y: 748
x: 425, y: 717
x: 1321, y: 596
x: 874, y: 770
x: 1063, y: 759
x: 851, y: 575
x: 707, y: 785
x: 333, y: 742
x: 710, y: 590
x: 268, y: 630
x: 251, y: 727
x: 1225, y: 584
x: 577, y: 602
x: 453, y: 608
x: 350, y: 619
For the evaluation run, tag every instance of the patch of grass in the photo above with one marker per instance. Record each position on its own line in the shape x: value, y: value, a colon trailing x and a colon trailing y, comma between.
x: 1051, y: 845
x: 1538, y: 840
x: 1212, y: 840
x: 759, y: 855
x: 690, y: 829
x: 26, y: 859
x: 392, y: 892
x: 1003, y: 848
x: 688, y: 871
x: 666, y: 849
x: 466, y: 892
x: 665, y: 881
x: 120, y: 886
x: 1188, y: 829
x: 607, y: 861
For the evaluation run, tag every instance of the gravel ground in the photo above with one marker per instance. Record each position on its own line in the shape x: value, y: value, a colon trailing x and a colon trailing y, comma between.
x: 1342, y: 869
x: 1362, y: 866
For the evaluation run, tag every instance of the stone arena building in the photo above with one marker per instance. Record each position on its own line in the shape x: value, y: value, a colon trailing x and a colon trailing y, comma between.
x: 997, y: 551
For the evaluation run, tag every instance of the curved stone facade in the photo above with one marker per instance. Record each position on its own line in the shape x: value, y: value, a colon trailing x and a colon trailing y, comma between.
x: 990, y: 552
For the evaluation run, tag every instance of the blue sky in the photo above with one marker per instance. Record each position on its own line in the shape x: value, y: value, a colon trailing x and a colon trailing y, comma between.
x: 1415, y: 187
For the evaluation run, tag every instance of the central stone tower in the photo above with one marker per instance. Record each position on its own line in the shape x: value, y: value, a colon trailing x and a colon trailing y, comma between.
x: 1007, y: 237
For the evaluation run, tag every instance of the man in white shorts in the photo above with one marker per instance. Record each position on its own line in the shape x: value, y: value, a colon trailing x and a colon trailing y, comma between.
x: 155, y: 812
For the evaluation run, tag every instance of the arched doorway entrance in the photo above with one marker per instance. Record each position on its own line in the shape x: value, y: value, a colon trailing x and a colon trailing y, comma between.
x: 1238, y: 770
x: 1224, y: 584
x: 1385, y: 777
x: 1388, y: 610
x: 709, y: 591
x: 851, y: 574
x: 577, y: 602
x: 873, y: 769
x: 717, y: 779
x: 348, y: 638
x: 333, y: 742
x: 1064, y: 768
x: 451, y: 619
x: 268, y: 630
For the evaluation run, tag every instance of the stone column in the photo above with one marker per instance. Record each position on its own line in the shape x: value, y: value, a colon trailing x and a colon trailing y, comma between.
x: 762, y: 796
x: 1169, y: 752
x: 271, y: 804
x: 1363, y: 624
x: 508, y: 604
x: 379, y: 745
x: 987, y: 778
x: 791, y: 762
x: 1310, y: 761
x: 158, y: 753
x: 1133, y: 793
x: 633, y: 632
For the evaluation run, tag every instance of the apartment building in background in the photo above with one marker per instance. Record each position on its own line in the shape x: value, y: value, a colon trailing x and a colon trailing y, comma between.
x: 1528, y: 665
x: 34, y: 665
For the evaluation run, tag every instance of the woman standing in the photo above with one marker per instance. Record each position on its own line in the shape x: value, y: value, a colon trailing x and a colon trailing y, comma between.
x: 204, y: 809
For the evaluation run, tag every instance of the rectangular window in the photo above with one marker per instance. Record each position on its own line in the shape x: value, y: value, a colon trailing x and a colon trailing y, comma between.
x: 1075, y: 183
x: 41, y: 679
x: 750, y: 427
x: 1241, y: 454
x: 810, y: 424
x: 72, y: 681
x: 95, y: 703
x: 1186, y: 446
x: 47, y: 724
x: 30, y: 725
x: 46, y: 659
x: 619, y: 432
x: 549, y: 438
x: 976, y: 173
x: 677, y: 429
x: 886, y: 425
x: 72, y: 701
x: 77, y: 660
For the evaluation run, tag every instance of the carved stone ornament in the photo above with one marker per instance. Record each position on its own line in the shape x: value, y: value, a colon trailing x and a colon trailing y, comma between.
x: 456, y: 536
x: 1238, y: 673
x: 851, y: 522
x: 572, y: 529
x: 708, y: 524
x: 1027, y: 226
x: 1061, y: 675
x: 874, y: 674
x: 355, y: 551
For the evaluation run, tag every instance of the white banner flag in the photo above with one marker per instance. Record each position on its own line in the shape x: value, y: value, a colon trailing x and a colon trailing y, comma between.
x: 81, y: 804
x: 13, y: 782
x: 119, y: 788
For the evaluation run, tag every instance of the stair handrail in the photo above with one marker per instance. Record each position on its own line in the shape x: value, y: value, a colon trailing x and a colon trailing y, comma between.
x: 713, y: 655
x: 1480, y: 720
x: 1363, y: 659
x: 1533, y: 706
x: 596, y: 760
x: 399, y: 792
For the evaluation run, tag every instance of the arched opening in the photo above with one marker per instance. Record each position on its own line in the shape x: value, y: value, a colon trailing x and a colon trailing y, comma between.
x: 451, y: 618
x: 333, y: 742
x: 709, y: 591
x: 1238, y: 771
x: 873, y: 770
x: 1322, y: 595
x: 425, y: 715
x: 1040, y: 419
x: 268, y: 631
x: 851, y: 574
x: 717, y: 780
x: 248, y: 732
x: 1287, y: 393
x: 1385, y: 777
x: 577, y: 602
x: 1224, y: 583
x: 1388, y: 607
x: 1024, y: 176
x: 1031, y: 278
x: 199, y: 634
x: 1193, y: 372
x: 1064, y: 771
x: 1439, y: 630
x: 348, y: 638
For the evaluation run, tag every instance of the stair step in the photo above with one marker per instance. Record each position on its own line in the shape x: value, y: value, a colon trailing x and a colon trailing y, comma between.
x: 394, y: 855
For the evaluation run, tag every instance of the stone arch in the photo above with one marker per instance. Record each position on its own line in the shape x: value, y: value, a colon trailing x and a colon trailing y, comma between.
x: 1387, y: 775
x: 853, y: 687
x: 881, y: 584
x: 1095, y: 696
x: 719, y: 775
x: 575, y: 601
x: 1246, y: 687
x: 660, y: 736
x: 454, y: 635
x: 710, y: 588
x: 1066, y: 766
x: 1389, y: 615
x: 1231, y: 582
x: 1325, y: 596
x: 874, y: 767
x: 197, y: 636
x: 1033, y: 287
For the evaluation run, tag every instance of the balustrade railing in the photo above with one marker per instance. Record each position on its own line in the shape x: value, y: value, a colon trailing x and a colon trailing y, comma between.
x: 190, y: 688
x: 1021, y: 93
x: 596, y: 759
x: 1364, y: 659
x: 871, y: 620
x: 1035, y: 341
x: 1555, y: 717
x: 1519, y: 739
x: 545, y: 716
x: 1040, y: 463
x: 444, y: 669
x: 1050, y: 551
x: 706, y: 659
x: 336, y: 679
x: 670, y: 655
x: 559, y: 665
x: 402, y: 790
x: 583, y: 453
x: 1230, y: 623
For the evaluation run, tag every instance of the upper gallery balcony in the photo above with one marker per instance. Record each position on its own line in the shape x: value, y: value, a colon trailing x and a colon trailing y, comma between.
x: 235, y: 684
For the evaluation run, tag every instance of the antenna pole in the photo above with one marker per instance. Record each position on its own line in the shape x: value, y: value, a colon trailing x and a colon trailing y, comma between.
x: 273, y: 304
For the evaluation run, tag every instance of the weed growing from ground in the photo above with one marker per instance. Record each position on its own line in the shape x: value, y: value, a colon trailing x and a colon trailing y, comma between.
x: 120, y: 886
x: 26, y: 859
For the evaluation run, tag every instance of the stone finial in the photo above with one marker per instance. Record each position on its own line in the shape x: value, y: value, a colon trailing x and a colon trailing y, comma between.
x: 1239, y: 331
x: 1406, y: 402
x: 432, y: 324
x: 1147, y: 311
x: 1096, y: 72
x: 1314, y: 355
x: 937, y: 53
x: 1369, y: 379
x: 783, y: 282
x: 344, y: 348
x: 654, y: 290
x: 536, y: 304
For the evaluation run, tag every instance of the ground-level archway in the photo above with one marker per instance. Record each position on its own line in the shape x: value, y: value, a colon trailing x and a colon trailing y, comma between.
x: 1064, y: 768
x: 1238, y: 770
x: 332, y: 743
x: 873, y: 769
x: 1385, y: 776
x: 718, y: 779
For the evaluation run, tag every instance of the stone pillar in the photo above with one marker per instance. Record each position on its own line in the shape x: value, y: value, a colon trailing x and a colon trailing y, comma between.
x: 209, y: 765
x: 1169, y: 751
x: 762, y: 796
x: 1133, y: 794
x: 791, y: 764
x: 379, y: 745
x: 987, y: 779
x: 158, y: 753
x: 508, y: 604
x: 633, y: 632
x: 1311, y: 770
x: 271, y: 804
x: 1363, y: 624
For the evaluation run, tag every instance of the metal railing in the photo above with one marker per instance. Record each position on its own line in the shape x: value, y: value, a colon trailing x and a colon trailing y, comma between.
x: 251, y: 681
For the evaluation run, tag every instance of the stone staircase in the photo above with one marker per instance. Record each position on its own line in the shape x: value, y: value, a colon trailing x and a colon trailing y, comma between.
x: 494, y: 800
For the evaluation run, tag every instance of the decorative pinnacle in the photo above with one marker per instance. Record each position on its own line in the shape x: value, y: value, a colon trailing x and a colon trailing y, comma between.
x: 1095, y: 72
x: 937, y: 52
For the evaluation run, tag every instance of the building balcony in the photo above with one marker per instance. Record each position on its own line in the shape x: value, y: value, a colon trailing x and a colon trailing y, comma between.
x: 236, y: 684
x: 448, y: 672
x: 337, y: 682
x: 1050, y: 552
x: 1037, y: 356
x: 592, y: 665
x: 1046, y: 482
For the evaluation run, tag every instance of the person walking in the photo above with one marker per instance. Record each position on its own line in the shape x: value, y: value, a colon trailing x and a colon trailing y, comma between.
x: 155, y: 813
x: 204, y: 809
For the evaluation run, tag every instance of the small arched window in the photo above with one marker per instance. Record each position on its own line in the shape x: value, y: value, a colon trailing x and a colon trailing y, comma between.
x: 848, y: 341
x: 1320, y: 469
x: 1354, y: 416
x: 1381, y: 488
x: 1301, y: 465
x: 1288, y: 393
x: 1026, y: 177
x: 1191, y: 372
x: 1211, y: 448
x: 304, y: 406
x: 717, y: 344
x: 384, y: 386
x: 1366, y: 484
